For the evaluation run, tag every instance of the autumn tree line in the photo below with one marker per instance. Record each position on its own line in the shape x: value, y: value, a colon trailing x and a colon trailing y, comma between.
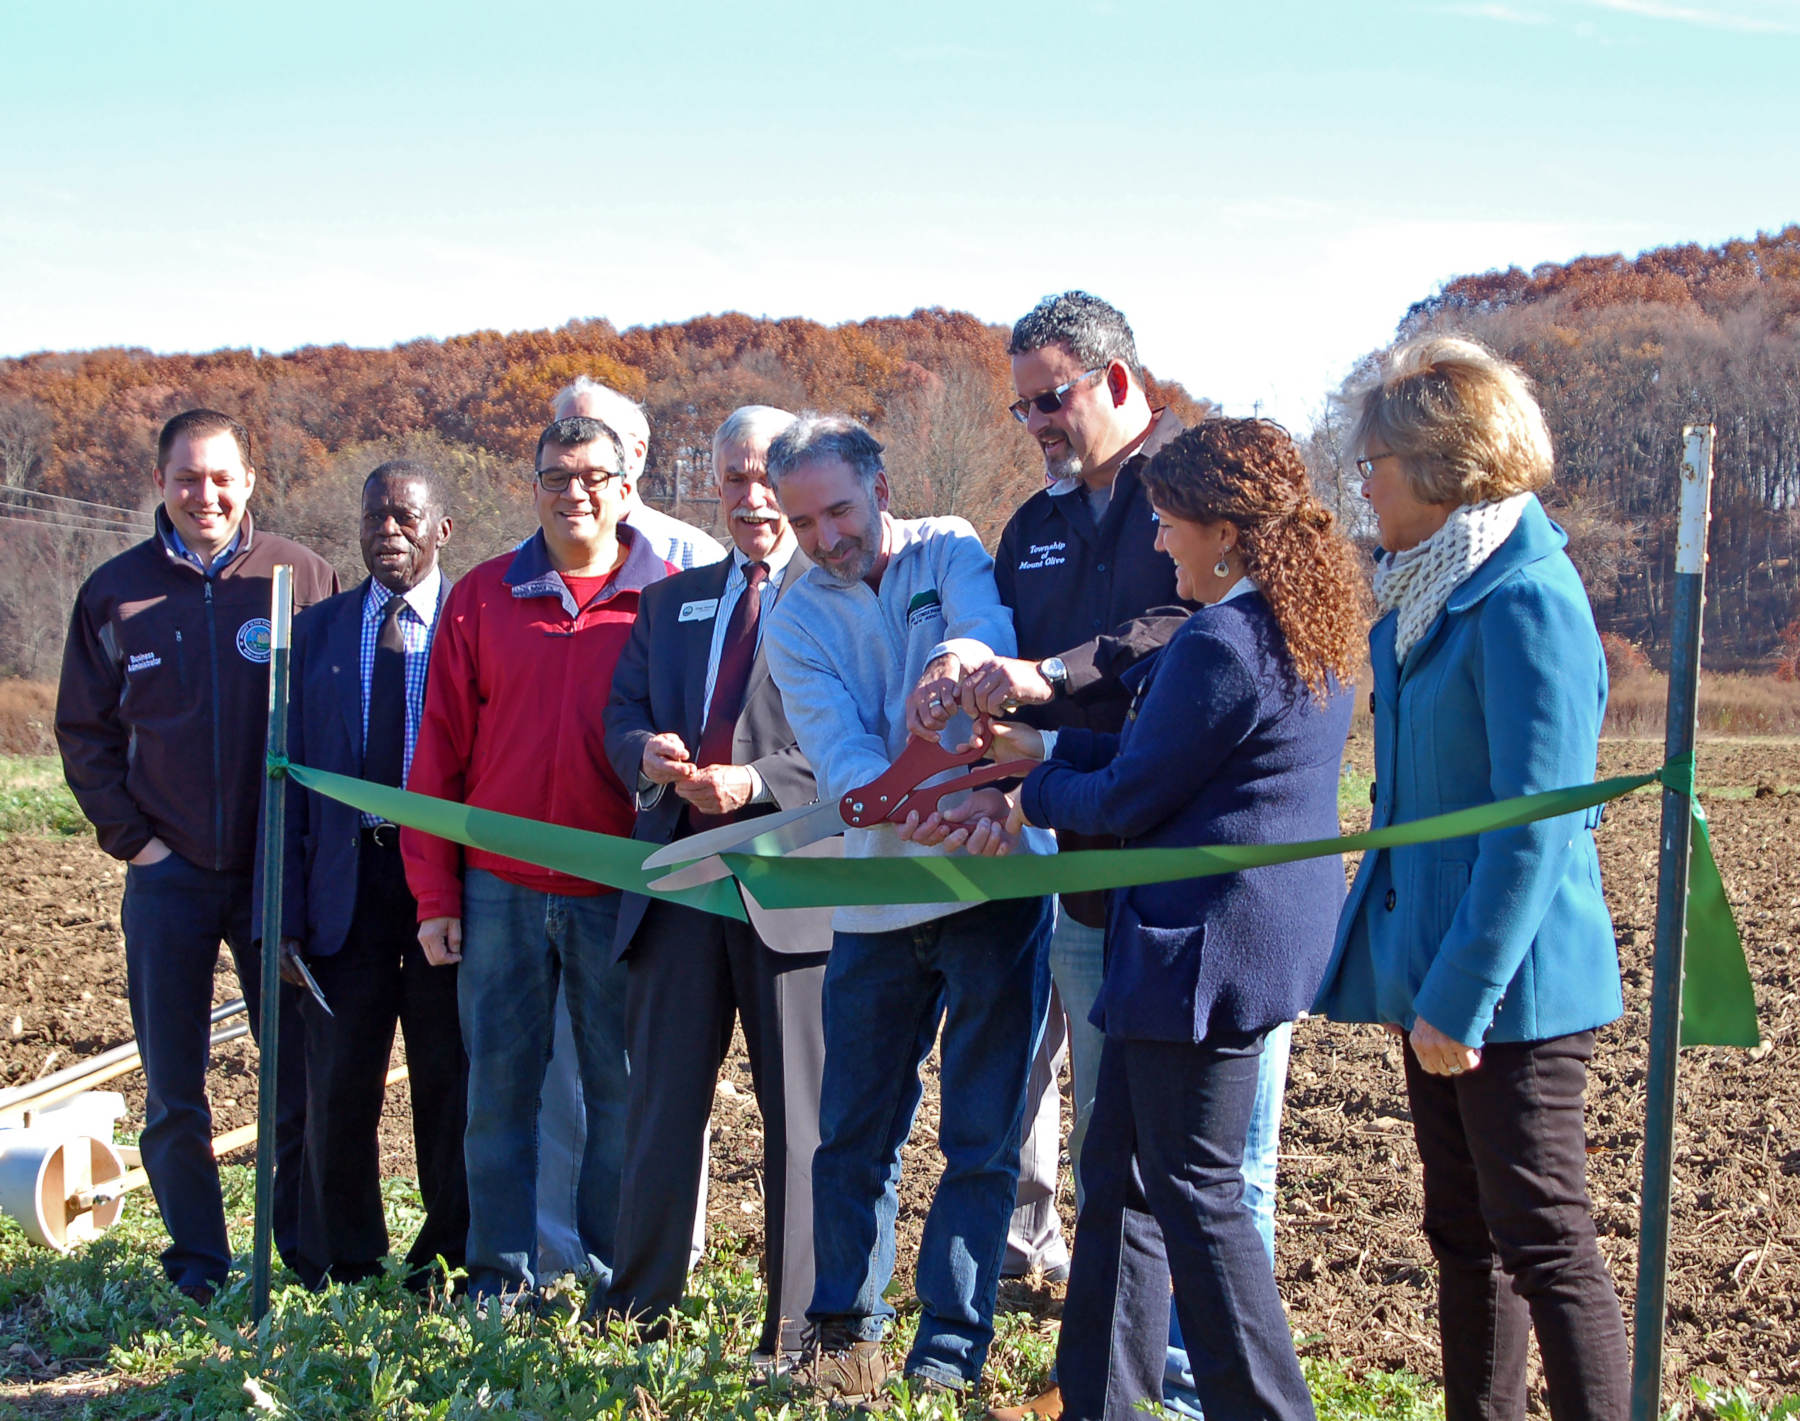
x: 1625, y: 351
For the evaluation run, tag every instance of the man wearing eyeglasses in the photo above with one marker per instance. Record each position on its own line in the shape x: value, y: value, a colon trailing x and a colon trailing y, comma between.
x: 521, y: 669
x: 561, y: 1132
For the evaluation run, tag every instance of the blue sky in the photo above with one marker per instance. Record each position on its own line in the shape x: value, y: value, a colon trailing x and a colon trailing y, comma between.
x: 1262, y: 188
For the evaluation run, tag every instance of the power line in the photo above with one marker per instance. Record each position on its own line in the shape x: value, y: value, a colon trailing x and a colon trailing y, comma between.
x: 67, y: 520
x: 133, y: 522
x: 123, y: 517
x: 8, y: 515
x: 62, y: 498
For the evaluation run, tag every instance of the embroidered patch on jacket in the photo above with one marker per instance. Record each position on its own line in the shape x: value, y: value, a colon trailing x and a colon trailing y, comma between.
x: 923, y: 607
x: 142, y: 661
x: 253, y: 640
x: 1042, y: 555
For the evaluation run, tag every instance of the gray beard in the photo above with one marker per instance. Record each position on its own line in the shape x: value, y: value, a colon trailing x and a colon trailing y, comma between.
x: 1069, y: 467
x: 858, y: 572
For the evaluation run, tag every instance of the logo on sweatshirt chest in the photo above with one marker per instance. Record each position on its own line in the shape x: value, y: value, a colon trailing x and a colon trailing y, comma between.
x: 253, y: 639
x: 923, y: 607
x: 142, y: 661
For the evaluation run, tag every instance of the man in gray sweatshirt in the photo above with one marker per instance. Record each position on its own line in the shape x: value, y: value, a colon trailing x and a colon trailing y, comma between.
x: 887, y: 599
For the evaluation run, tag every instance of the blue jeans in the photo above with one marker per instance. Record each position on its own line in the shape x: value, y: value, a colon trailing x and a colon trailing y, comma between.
x: 1165, y: 1200
x: 518, y: 943
x: 1078, y: 966
x: 1260, y: 1145
x: 982, y: 971
x: 175, y: 914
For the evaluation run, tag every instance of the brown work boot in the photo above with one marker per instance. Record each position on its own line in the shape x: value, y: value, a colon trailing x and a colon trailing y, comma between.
x: 1047, y: 1407
x: 838, y: 1366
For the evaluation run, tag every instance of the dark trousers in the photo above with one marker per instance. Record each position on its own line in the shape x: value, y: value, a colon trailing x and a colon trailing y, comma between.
x: 1508, y: 1217
x: 174, y: 915
x: 377, y: 978
x: 687, y: 976
x: 1163, y: 1166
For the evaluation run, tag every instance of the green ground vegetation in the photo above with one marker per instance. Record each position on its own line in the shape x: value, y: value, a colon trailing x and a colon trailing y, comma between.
x: 34, y: 798
x: 375, y: 1350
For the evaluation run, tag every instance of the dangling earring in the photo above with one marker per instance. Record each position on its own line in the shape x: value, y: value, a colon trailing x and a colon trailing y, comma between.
x: 1221, y: 568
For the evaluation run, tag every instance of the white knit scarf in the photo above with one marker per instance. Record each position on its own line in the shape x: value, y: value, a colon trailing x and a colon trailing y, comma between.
x: 1420, y: 580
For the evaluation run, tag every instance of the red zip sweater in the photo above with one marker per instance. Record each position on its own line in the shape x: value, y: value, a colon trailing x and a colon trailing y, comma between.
x: 519, y: 679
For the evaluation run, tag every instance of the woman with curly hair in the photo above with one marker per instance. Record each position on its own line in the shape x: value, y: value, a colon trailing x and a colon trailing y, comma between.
x: 1235, y: 735
x: 1493, y: 954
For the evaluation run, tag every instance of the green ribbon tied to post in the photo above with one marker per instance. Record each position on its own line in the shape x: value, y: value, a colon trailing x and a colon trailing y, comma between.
x: 1718, y: 1005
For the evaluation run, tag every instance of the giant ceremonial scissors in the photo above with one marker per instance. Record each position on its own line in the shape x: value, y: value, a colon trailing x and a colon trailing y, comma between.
x: 897, y: 792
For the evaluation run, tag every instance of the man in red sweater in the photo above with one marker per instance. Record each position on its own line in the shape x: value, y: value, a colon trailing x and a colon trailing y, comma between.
x: 521, y: 669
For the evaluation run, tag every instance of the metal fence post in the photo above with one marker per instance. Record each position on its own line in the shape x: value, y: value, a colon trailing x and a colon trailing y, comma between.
x: 281, y: 612
x: 1671, y: 927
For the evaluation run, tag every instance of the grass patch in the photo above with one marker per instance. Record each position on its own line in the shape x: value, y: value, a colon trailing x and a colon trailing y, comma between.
x: 34, y: 797
x: 1729, y: 704
x: 105, y: 1314
x: 1354, y: 788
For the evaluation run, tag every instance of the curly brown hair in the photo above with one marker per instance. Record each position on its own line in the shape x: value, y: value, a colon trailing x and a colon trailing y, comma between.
x: 1247, y: 472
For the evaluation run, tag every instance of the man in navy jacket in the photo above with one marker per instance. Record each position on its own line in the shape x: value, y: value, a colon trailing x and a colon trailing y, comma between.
x: 360, y: 660
x: 1090, y: 597
x: 161, y: 718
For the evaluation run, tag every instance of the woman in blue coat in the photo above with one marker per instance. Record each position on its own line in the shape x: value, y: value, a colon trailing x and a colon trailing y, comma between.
x: 1494, y: 954
x: 1236, y: 735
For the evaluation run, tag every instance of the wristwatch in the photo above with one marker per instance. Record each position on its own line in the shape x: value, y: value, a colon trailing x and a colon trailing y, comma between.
x: 1051, y: 668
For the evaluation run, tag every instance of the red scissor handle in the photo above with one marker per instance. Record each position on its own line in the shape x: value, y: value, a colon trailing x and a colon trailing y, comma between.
x: 897, y: 790
x: 925, y: 800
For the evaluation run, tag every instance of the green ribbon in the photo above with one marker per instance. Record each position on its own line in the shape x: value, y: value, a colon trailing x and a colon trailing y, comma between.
x: 600, y: 858
x: 811, y: 883
x: 1718, y: 1004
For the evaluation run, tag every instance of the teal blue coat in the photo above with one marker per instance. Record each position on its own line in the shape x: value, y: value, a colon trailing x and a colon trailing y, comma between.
x: 1504, y: 936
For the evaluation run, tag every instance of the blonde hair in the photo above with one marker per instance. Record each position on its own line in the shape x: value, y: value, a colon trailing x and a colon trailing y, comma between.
x: 1461, y: 420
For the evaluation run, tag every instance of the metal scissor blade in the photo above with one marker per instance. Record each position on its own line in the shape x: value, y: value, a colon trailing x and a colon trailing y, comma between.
x: 709, y: 869
x: 794, y: 826
x: 312, y: 984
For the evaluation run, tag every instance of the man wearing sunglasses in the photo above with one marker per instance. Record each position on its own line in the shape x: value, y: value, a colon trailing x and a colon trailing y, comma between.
x: 1091, y: 596
x: 1078, y: 566
x: 521, y: 669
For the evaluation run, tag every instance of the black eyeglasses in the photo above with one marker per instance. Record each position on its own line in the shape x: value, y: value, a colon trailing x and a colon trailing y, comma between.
x: 1051, y: 400
x: 558, y: 480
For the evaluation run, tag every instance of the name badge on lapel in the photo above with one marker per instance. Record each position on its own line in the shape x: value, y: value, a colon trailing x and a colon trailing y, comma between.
x: 703, y: 611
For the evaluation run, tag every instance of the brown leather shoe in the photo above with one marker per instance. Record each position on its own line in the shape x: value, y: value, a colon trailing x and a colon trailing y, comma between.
x: 840, y: 1367
x: 1047, y: 1407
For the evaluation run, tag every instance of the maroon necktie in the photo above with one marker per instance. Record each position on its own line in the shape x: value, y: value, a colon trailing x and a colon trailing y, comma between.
x: 733, y: 676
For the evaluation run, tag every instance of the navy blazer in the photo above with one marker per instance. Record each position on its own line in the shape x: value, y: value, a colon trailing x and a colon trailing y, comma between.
x: 1223, y: 745
x: 659, y: 685
x: 325, y: 732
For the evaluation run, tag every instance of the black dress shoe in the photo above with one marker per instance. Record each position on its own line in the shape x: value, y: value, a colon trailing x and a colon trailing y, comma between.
x: 200, y: 1294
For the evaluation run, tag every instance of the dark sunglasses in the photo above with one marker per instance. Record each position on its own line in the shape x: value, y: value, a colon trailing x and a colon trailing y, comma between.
x: 1051, y: 400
